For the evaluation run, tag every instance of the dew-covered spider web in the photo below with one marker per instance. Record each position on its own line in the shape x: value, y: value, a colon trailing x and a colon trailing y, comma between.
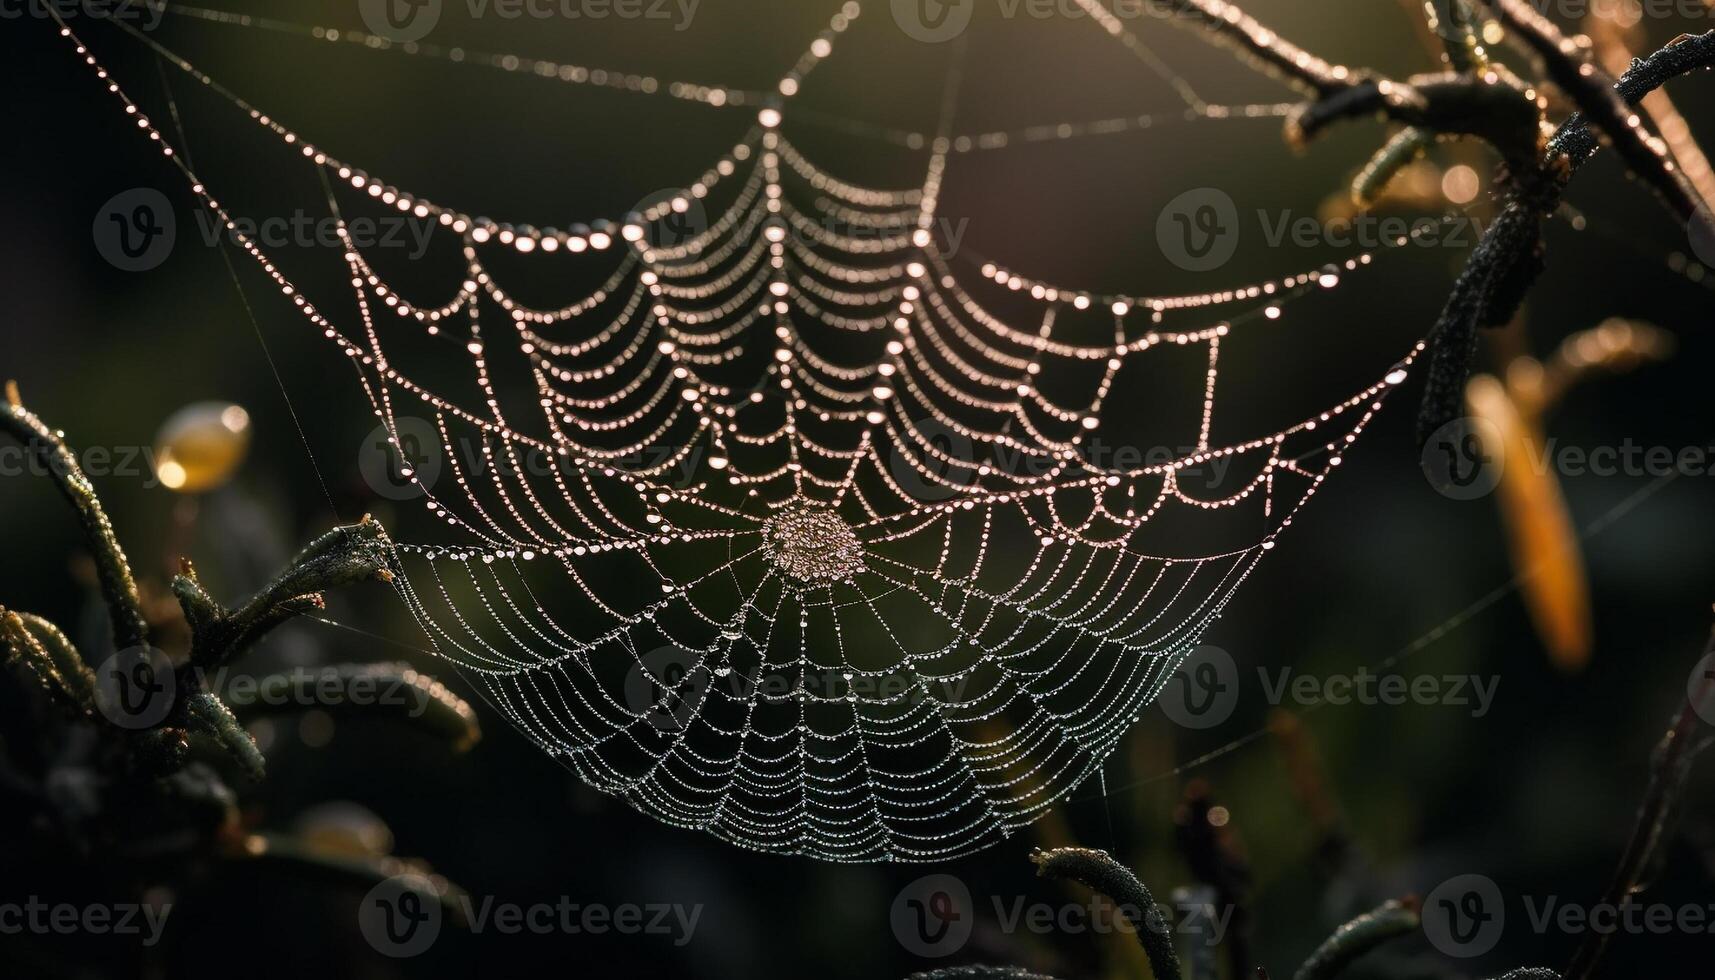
x: 784, y: 531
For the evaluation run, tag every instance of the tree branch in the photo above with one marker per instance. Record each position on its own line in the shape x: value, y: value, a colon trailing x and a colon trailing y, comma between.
x: 1508, y: 259
x: 1572, y: 70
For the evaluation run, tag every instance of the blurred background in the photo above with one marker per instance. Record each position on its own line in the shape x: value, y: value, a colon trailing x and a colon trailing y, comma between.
x: 1321, y: 812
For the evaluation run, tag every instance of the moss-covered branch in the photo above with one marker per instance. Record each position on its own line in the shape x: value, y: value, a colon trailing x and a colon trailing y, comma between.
x: 39, y: 648
x: 1100, y: 872
x: 1390, y: 920
x: 343, y: 556
x: 113, y: 570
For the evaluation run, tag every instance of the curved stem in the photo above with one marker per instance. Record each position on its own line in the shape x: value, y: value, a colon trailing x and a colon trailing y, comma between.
x: 1098, y: 871
x: 1671, y: 763
x: 114, y: 571
x: 1388, y: 921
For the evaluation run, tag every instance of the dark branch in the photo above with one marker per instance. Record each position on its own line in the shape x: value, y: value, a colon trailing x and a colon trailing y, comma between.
x: 1669, y: 766
x: 343, y: 556
x: 1572, y: 71
x: 1508, y: 260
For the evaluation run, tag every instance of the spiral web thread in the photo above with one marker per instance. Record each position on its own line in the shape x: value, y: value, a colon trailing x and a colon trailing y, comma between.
x: 823, y: 563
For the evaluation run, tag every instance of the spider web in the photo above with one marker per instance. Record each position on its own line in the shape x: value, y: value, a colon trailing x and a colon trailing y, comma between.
x: 784, y: 532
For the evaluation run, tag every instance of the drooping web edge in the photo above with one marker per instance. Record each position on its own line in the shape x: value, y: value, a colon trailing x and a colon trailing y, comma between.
x: 922, y: 308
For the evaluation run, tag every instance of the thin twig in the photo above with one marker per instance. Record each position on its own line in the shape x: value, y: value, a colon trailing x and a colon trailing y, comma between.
x: 1669, y: 766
